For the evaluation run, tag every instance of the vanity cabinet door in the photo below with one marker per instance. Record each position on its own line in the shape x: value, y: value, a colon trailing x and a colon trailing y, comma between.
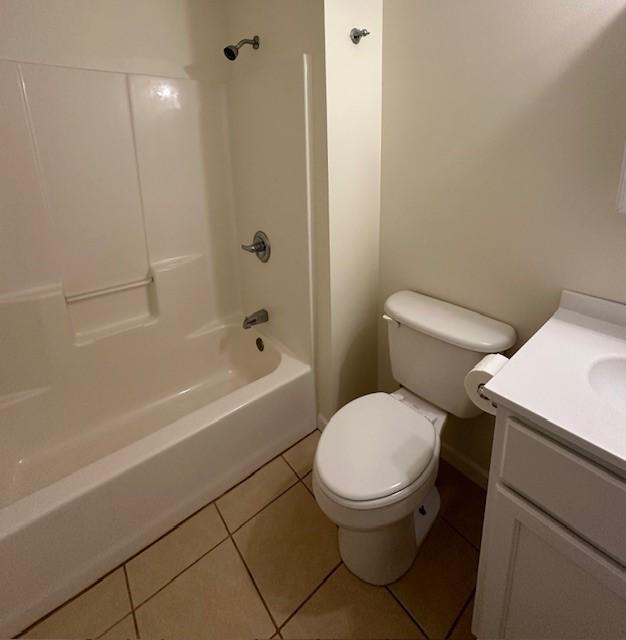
x: 537, y: 580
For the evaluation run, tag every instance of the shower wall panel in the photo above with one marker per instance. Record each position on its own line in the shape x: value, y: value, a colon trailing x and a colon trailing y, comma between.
x: 104, y: 182
x: 83, y: 133
x: 26, y: 256
x: 269, y: 116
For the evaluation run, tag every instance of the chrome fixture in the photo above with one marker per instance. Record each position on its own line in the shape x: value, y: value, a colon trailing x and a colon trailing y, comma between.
x: 260, y: 245
x: 357, y: 34
x: 255, y: 318
x: 232, y: 50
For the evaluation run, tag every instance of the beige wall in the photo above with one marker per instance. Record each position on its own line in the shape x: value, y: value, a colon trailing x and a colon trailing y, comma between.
x: 353, y: 94
x: 504, y: 123
x: 159, y: 37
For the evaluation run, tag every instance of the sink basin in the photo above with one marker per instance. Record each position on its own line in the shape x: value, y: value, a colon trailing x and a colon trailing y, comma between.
x: 607, y: 378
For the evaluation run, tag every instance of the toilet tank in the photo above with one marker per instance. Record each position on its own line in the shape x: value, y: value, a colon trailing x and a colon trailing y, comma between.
x: 433, y: 344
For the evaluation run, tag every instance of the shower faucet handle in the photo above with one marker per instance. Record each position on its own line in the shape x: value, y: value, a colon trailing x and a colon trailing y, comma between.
x: 254, y: 248
x: 260, y: 246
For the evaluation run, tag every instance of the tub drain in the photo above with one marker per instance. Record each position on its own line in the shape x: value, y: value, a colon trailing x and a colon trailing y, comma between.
x: 259, y: 344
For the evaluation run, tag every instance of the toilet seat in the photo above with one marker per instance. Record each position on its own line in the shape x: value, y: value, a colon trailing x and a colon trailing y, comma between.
x: 373, y: 448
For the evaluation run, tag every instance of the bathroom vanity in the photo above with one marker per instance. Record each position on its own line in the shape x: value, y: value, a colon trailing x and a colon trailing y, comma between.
x: 553, y: 554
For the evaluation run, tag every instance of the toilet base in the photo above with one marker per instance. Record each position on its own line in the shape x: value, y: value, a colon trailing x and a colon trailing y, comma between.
x: 381, y: 556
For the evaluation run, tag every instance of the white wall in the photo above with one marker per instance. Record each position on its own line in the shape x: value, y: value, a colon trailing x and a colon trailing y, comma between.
x: 504, y: 124
x: 168, y: 38
x: 353, y: 93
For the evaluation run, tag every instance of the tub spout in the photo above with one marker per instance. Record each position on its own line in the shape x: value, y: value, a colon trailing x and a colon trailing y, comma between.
x: 255, y: 318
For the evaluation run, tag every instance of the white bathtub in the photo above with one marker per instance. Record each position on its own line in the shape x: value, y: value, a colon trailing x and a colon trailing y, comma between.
x: 76, y: 511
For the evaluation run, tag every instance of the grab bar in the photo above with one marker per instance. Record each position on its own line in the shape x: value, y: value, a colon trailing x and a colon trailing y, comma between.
x: 77, y: 297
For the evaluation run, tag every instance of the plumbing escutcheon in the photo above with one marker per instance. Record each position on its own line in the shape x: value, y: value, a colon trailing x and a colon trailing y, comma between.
x: 357, y: 34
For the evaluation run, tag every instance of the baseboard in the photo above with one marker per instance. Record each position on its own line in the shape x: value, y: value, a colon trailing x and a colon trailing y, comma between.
x: 465, y: 465
x: 321, y: 422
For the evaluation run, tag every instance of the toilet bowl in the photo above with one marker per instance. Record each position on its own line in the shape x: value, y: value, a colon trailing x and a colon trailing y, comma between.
x: 377, y: 459
x: 374, y: 475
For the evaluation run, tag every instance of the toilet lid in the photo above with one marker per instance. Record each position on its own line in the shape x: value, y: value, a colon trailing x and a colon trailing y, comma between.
x: 373, y: 447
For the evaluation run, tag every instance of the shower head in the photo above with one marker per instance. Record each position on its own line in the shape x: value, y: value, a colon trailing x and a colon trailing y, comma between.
x: 232, y: 50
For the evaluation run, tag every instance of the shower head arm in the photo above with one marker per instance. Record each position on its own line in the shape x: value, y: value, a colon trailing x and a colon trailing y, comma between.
x: 255, y: 42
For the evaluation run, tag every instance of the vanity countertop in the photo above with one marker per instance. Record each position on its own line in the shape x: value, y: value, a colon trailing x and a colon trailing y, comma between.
x: 569, y: 379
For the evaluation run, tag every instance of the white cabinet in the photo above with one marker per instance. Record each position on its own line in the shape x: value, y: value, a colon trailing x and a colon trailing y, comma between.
x: 553, y: 539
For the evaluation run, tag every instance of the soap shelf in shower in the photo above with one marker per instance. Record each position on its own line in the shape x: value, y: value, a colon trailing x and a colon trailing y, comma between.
x: 105, y: 312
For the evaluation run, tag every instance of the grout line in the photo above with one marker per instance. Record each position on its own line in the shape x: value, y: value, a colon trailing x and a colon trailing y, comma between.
x: 282, y: 626
x: 279, y: 455
x: 68, y: 601
x: 256, y: 513
x: 287, y: 463
x: 128, y: 615
x: 452, y: 526
x: 306, y: 486
x: 122, y: 565
x: 176, y: 526
x: 130, y: 598
x: 463, y: 608
x: 411, y: 616
x: 243, y: 561
x: 206, y: 553
x: 189, y: 517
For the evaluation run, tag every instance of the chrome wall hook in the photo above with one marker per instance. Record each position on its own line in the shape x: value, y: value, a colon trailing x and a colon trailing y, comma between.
x: 357, y: 34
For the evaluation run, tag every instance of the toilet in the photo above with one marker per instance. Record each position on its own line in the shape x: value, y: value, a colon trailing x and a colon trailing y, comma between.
x: 377, y: 459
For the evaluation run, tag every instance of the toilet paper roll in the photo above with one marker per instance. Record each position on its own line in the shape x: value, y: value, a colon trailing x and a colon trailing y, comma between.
x: 479, y: 376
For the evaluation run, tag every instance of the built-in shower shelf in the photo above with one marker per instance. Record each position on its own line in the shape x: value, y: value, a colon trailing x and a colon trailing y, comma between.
x: 88, y: 337
x: 209, y: 327
x: 106, y: 312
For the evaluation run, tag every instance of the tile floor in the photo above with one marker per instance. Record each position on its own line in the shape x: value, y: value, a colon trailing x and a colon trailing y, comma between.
x: 262, y: 562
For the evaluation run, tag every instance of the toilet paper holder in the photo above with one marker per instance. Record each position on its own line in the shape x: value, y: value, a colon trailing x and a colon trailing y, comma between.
x: 484, y: 396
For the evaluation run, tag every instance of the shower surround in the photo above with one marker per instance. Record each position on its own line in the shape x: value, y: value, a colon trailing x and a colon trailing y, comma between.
x: 129, y: 393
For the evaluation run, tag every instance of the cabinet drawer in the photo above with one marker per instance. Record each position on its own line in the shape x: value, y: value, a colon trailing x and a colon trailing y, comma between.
x: 580, y: 494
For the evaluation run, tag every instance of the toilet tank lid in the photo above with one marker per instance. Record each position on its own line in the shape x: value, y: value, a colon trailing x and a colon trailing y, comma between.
x: 450, y: 323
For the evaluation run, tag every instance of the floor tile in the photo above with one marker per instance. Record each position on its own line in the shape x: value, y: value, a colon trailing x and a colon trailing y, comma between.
x: 308, y: 481
x: 440, y: 581
x: 462, y: 502
x: 300, y: 456
x: 346, y: 607
x: 123, y: 630
x: 89, y: 614
x: 290, y: 547
x: 162, y: 561
x: 214, y: 598
x: 463, y: 628
x: 248, y: 498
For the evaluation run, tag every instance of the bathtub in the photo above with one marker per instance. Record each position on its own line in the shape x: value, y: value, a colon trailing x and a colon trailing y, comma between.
x: 74, y: 511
